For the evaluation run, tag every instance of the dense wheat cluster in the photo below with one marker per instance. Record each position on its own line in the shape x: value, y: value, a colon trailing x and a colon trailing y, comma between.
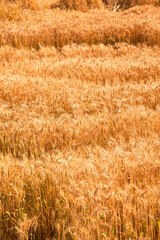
x: 79, y: 120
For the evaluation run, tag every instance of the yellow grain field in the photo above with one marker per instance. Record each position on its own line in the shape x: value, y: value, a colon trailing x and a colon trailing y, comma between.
x: 79, y: 120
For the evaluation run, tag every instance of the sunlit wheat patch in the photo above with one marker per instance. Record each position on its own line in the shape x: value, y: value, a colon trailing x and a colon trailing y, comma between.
x: 79, y: 120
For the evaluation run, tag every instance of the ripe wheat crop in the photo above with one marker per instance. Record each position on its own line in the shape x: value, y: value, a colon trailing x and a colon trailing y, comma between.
x: 79, y: 120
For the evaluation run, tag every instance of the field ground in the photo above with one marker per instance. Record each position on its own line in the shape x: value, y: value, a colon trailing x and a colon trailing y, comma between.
x: 79, y: 121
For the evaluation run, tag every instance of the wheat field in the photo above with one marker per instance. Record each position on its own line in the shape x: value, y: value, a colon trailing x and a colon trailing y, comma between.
x: 79, y: 120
